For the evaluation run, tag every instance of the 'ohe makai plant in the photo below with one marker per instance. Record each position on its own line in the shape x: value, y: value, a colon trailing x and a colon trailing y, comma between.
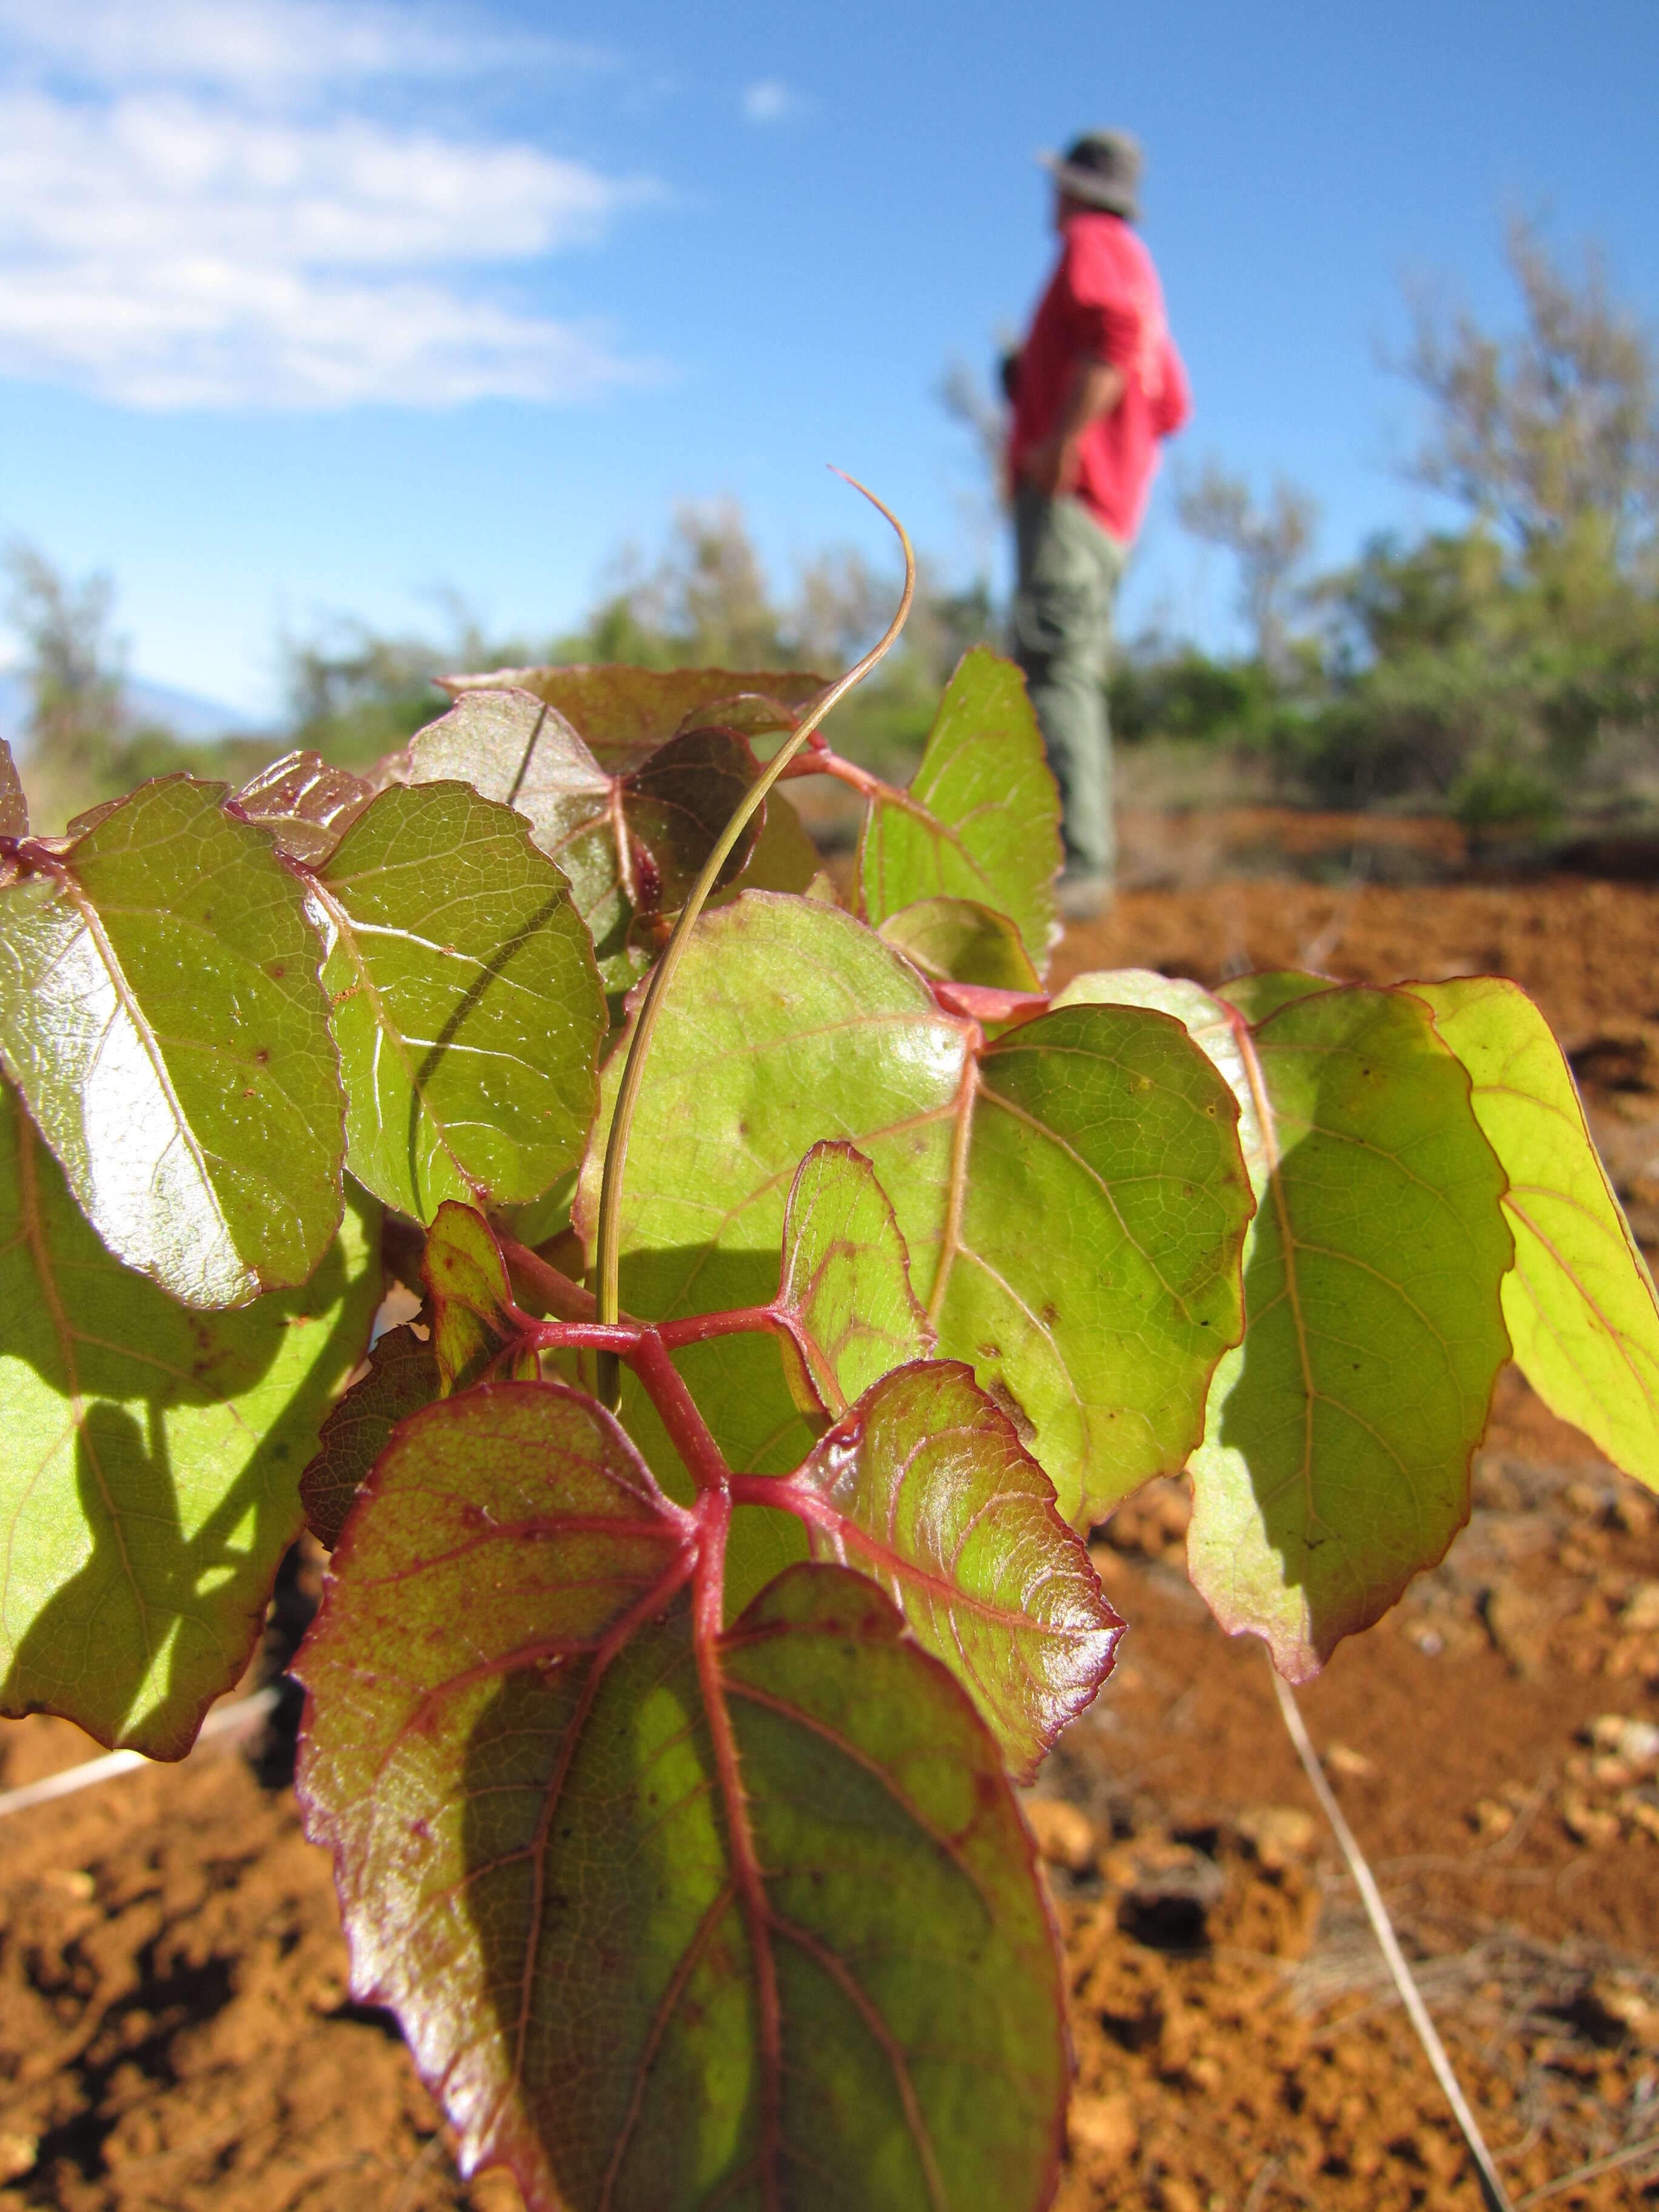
x: 801, y: 1282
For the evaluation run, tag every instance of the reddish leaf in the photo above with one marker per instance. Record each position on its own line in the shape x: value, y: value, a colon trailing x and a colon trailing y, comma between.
x: 669, y: 1917
x: 307, y: 805
x: 403, y: 1376
x: 631, y: 831
x: 624, y: 713
x: 676, y: 805
x: 754, y: 713
x: 931, y: 1491
x: 14, y: 806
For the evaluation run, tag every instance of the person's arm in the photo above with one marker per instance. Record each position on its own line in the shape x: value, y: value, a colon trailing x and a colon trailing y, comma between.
x: 1054, y: 466
x: 1174, y: 399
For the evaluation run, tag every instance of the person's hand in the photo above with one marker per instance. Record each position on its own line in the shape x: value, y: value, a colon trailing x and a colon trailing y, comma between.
x: 1053, y: 468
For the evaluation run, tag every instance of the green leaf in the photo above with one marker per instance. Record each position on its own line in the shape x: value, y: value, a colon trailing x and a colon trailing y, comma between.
x: 1335, y: 1463
x: 954, y: 940
x: 470, y: 1299
x: 1205, y: 1019
x: 1579, y: 1302
x: 845, y: 1283
x: 160, y: 1010
x: 464, y: 1000
x: 930, y: 1490
x: 680, y: 1918
x: 150, y: 1483
x: 980, y: 820
x: 403, y: 1376
x: 1072, y: 1203
x: 1089, y: 1251
x: 788, y: 1022
x: 306, y: 805
x: 512, y: 747
x: 1256, y: 997
x: 624, y: 714
x: 14, y: 806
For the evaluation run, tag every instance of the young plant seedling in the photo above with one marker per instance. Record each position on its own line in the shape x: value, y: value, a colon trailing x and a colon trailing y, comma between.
x: 801, y: 1283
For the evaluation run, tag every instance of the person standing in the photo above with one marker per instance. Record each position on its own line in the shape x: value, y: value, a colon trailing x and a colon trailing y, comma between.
x: 1096, y: 387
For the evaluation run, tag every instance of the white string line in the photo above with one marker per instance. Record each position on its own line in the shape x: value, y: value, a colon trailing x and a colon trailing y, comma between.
x: 223, y: 1719
x: 1491, y: 2187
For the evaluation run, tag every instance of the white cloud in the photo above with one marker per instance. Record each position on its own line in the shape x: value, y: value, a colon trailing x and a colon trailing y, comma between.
x: 169, y: 177
x: 262, y: 46
x: 769, y: 101
x: 189, y: 229
x: 218, y: 334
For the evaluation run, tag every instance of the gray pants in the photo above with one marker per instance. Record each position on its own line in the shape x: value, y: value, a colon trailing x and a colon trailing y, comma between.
x: 1069, y: 570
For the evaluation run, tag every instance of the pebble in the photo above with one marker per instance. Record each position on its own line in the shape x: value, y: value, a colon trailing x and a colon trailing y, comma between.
x: 1102, y: 2127
x: 1279, y: 1835
x: 18, y: 2154
x: 1065, y: 1835
x: 1341, y: 1758
x: 1633, y: 1742
x: 1590, y: 1825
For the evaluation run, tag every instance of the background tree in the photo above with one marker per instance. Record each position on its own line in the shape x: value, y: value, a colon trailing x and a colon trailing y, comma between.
x: 1551, y: 431
x: 72, y: 661
x: 1270, y: 541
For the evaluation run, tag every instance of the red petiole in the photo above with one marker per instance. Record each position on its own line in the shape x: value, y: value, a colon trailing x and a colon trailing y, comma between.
x: 646, y: 1350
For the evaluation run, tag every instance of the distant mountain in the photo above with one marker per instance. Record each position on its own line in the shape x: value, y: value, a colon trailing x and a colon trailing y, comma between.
x: 186, y: 714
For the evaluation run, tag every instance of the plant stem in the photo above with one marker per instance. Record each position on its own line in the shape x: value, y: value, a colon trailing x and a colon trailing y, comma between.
x: 569, y: 1300
x: 1493, y: 2194
x: 620, y: 1338
x: 687, y: 1432
x: 784, y: 1493
x: 608, y: 1268
x: 735, y: 1320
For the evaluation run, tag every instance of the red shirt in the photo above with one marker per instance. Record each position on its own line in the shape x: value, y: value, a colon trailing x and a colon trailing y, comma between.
x: 1103, y: 303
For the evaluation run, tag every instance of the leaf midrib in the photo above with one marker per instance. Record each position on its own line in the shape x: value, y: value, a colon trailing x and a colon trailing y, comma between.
x: 386, y: 1030
x: 127, y: 1002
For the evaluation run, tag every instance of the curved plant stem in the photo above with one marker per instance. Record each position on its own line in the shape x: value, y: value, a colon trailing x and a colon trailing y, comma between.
x: 608, y: 1270
x: 1493, y: 2191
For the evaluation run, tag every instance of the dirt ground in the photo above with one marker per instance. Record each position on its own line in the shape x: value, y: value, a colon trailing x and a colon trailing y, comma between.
x: 174, y: 2027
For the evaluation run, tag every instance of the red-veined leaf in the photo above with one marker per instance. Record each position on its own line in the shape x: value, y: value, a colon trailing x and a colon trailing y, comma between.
x: 630, y: 828
x: 668, y: 1916
x: 925, y: 1486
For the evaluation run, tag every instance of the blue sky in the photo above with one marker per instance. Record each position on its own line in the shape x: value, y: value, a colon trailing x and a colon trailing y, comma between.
x: 310, y: 306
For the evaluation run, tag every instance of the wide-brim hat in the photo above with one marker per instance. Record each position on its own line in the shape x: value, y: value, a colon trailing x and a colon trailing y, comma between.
x: 1102, y: 169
